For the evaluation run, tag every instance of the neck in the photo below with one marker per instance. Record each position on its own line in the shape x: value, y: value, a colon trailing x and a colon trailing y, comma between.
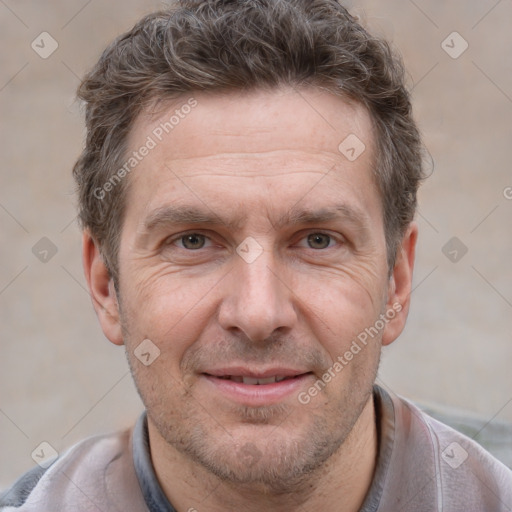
x: 339, y: 485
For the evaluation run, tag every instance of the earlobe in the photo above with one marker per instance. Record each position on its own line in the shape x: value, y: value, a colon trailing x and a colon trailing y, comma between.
x: 101, y: 289
x: 400, y: 285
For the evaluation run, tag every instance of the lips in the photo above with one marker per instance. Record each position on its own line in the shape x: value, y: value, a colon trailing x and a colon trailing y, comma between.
x: 256, y: 387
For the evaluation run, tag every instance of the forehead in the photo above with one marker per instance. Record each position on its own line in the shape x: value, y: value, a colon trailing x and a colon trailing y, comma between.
x: 306, y: 119
x: 256, y: 150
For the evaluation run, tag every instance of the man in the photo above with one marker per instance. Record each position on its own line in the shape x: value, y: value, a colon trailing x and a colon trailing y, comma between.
x: 247, y: 193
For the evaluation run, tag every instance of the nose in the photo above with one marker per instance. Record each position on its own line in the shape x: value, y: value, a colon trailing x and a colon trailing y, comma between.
x: 257, y: 301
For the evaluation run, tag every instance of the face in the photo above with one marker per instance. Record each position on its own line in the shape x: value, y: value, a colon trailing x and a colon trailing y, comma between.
x: 252, y: 257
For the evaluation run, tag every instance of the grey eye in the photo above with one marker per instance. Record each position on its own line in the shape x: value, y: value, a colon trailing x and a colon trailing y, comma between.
x: 193, y: 241
x: 319, y: 241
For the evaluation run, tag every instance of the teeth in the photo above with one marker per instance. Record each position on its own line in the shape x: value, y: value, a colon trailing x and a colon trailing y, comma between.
x: 254, y: 381
x: 250, y: 380
x: 266, y: 380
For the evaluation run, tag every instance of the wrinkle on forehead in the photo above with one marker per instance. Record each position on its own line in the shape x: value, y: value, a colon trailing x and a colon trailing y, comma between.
x: 306, y: 119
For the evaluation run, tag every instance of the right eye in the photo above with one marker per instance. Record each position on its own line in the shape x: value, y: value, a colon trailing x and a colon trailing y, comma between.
x: 191, y: 241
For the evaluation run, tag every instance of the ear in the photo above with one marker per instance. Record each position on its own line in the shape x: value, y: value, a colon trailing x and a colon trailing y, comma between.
x: 400, y: 286
x: 102, y: 290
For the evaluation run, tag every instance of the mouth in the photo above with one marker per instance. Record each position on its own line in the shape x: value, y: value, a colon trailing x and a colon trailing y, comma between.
x: 255, y: 381
x: 256, y: 388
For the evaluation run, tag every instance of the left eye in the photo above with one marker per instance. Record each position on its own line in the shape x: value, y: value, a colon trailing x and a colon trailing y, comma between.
x: 192, y: 241
x: 319, y: 241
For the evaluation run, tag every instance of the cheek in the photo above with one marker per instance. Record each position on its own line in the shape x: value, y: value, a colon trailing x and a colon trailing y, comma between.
x: 345, y: 328
x: 349, y: 336
x: 168, y: 309
x: 341, y: 304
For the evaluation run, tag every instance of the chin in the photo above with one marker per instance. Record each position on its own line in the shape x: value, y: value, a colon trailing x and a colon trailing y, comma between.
x: 273, y: 459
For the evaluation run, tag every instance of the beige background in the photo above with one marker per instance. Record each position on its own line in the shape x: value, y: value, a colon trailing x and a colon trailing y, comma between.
x: 61, y: 380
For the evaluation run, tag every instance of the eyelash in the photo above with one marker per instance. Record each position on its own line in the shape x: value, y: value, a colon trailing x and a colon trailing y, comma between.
x: 183, y: 235
x: 172, y: 241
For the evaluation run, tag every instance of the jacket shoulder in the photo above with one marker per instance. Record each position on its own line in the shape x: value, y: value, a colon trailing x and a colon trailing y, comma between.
x: 464, y: 473
x: 94, y: 473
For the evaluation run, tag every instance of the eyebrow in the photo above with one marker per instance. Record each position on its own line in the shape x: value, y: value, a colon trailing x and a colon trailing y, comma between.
x: 169, y: 215
x: 341, y: 211
x: 172, y: 215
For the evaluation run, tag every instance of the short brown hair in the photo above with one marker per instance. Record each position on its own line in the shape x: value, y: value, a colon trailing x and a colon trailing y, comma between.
x: 222, y: 45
